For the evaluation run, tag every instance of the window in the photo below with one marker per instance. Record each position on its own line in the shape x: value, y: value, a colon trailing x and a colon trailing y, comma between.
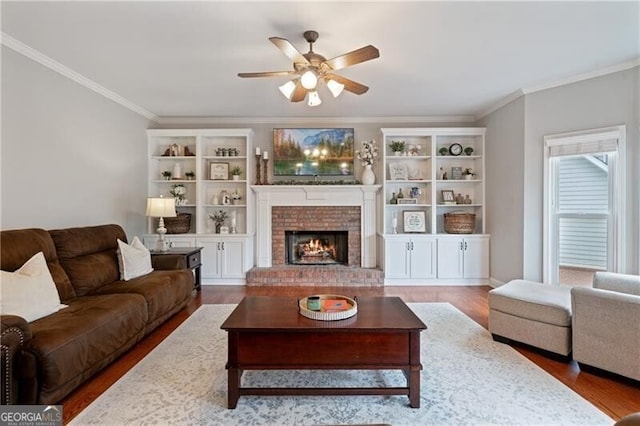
x: 583, y: 205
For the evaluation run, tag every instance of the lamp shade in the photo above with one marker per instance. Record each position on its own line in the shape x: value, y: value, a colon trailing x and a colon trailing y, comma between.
x: 335, y: 87
x: 288, y: 88
x: 161, y: 207
x: 314, y: 99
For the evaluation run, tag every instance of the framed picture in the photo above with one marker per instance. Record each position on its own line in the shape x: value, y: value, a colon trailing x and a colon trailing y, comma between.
x: 456, y: 173
x: 218, y: 171
x: 408, y: 201
x: 414, y: 220
x: 448, y: 196
x: 313, y: 152
x: 398, y: 171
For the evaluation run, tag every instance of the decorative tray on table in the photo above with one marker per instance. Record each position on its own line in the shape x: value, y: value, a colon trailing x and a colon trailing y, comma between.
x: 327, y: 307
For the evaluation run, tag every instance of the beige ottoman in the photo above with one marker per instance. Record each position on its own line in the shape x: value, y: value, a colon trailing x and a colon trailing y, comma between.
x: 532, y: 313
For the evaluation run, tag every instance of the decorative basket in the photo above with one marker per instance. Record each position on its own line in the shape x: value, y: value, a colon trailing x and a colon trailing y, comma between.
x: 181, y: 224
x: 331, y: 315
x: 459, y: 223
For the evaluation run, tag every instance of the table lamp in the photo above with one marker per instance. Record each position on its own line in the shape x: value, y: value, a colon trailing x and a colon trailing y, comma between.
x: 161, y: 207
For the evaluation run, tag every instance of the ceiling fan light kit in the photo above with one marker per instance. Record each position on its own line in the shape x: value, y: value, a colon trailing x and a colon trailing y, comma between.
x: 309, y: 69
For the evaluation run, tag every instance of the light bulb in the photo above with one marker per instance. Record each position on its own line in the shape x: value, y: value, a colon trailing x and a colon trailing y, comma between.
x: 335, y: 88
x: 287, y: 89
x: 309, y: 80
x: 314, y: 99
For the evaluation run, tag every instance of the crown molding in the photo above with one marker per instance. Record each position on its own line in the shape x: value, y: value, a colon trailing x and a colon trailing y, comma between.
x: 585, y: 76
x: 56, y: 66
x: 557, y: 83
x: 318, y: 120
x: 502, y: 102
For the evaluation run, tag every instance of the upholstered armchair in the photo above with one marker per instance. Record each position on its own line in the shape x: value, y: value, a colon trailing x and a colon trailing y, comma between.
x: 606, y: 324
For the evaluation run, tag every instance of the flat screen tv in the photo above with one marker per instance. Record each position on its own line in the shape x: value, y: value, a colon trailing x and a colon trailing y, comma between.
x: 313, y: 152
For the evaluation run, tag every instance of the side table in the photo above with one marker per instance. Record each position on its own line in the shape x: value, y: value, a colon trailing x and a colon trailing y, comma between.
x: 186, y: 257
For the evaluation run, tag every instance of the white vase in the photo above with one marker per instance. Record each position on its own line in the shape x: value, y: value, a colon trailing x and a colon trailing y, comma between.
x: 368, y: 177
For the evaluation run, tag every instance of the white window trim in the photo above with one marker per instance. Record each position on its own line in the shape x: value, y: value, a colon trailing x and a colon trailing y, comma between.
x: 618, y: 205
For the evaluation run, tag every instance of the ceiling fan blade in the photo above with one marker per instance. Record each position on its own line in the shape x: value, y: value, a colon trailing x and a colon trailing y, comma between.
x: 299, y: 93
x: 289, y: 50
x: 266, y: 74
x: 355, y: 57
x: 350, y: 85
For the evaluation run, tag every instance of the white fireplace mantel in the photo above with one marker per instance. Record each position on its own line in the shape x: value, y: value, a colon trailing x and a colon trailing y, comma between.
x: 316, y: 195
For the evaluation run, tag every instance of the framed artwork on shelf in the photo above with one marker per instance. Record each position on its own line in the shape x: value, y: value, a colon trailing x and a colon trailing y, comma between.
x: 448, y: 196
x: 398, y: 171
x: 414, y: 220
x: 408, y: 201
x: 218, y: 171
x: 456, y: 173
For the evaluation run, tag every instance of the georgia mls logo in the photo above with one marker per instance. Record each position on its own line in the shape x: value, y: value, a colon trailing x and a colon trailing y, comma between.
x: 32, y: 415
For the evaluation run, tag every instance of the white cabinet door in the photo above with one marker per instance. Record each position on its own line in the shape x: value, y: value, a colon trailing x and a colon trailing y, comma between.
x: 476, y: 258
x: 450, y: 257
x: 397, y: 258
x: 422, y: 258
x: 210, y: 258
x: 231, y: 259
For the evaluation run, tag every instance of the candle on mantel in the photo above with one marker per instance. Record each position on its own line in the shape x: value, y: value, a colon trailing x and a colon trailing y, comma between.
x: 233, y: 219
x: 265, y: 155
x: 257, y: 150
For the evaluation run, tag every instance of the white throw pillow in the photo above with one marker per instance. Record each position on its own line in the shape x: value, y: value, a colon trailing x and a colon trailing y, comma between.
x: 30, y: 291
x: 134, y: 260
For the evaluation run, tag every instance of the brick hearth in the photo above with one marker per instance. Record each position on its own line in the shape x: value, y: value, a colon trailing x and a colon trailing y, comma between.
x: 325, y: 275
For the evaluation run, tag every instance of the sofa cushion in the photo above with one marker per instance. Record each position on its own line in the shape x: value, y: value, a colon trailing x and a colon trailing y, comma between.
x: 19, y: 245
x: 29, y: 292
x: 544, y: 303
x: 88, y: 255
x: 134, y: 260
x: 166, y: 292
x: 78, y: 341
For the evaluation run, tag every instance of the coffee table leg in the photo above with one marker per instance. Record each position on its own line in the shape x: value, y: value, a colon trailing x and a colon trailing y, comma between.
x: 413, y: 378
x: 233, y: 387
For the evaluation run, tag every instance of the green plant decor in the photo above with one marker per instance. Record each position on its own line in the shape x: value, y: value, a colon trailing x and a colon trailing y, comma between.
x: 236, y: 171
x: 443, y: 151
x: 397, y: 146
x: 468, y: 150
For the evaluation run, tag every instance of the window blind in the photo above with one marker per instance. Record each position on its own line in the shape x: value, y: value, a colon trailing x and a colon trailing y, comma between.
x: 586, y: 147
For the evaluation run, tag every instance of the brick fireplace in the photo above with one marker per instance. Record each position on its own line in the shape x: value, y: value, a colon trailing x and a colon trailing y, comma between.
x: 315, y: 218
x: 288, y: 207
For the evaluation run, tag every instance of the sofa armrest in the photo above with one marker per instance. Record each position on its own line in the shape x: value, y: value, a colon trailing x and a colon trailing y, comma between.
x: 168, y: 262
x: 622, y: 283
x: 605, y: 330
x: 15, y: 333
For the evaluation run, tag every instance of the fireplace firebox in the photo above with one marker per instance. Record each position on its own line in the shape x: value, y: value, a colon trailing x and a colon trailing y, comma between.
x: 316, y: 247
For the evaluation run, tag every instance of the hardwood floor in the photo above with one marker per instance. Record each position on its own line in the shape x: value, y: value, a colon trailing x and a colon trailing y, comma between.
x: 614, y: 396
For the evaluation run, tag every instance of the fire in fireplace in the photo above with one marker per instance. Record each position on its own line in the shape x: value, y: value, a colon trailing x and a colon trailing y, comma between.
x: 316, y: 247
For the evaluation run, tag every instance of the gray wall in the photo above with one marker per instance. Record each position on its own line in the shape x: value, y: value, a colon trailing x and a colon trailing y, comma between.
x: 70, y: 157
x: 504, y: 165
x: 610, y: 100
x: 604, y: 101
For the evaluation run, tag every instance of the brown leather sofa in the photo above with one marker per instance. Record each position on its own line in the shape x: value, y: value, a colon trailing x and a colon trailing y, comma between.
x: 43, y: 361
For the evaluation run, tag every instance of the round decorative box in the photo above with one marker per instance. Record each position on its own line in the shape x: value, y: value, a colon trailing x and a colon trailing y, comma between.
x: 332, y: 307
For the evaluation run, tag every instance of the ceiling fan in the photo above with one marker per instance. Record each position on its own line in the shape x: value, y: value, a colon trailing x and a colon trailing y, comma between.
x: 311, y: 68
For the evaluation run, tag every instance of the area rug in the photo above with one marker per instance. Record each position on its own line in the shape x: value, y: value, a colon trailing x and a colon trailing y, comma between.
x: 467, y: 378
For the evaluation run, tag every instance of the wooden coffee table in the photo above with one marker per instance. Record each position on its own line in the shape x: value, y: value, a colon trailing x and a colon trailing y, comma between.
x: 268, y: 333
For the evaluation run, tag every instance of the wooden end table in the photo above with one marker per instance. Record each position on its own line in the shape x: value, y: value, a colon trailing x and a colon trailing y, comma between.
x: 191, y: 257
x: 269, y: 333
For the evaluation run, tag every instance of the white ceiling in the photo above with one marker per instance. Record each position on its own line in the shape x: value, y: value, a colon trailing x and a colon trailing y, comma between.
x: 437, y: 59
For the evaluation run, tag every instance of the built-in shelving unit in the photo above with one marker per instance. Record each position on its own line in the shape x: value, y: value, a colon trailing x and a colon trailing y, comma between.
x: 428, y: 168
x: 211, y: 155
